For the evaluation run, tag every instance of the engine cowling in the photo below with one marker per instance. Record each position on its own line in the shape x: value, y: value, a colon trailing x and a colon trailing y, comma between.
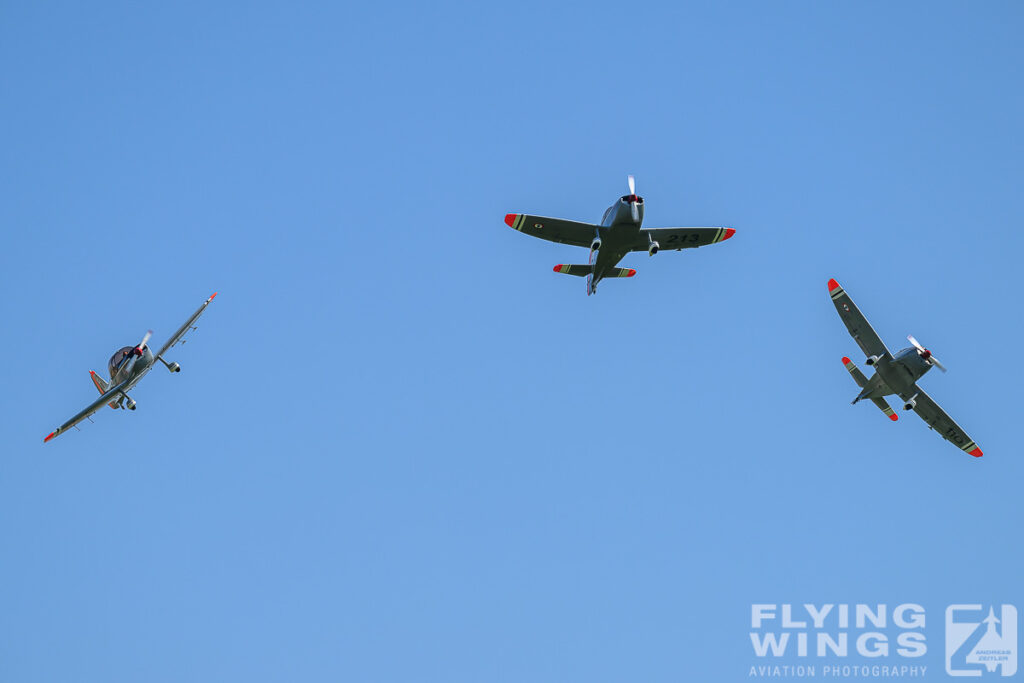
x: 653, y: 249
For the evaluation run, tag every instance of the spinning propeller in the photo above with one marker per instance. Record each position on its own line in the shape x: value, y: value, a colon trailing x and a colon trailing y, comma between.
x: 925, y: 354
x: 142, y: 344
x: 633, y: 199
x: 137, y: 351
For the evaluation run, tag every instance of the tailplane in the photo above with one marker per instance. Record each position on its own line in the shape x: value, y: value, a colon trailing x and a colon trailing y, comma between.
x: 855, y: 372
x: 577, y: 270
x: 585, y: 270
x: 620, y: 272
x: 883, y: 405
x: 862, y: 381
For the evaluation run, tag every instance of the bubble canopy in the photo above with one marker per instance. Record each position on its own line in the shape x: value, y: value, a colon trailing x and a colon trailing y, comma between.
x: 118, y: 358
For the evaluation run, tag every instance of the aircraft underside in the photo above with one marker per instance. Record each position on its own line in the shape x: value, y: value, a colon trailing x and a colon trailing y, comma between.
x: 890, y: 378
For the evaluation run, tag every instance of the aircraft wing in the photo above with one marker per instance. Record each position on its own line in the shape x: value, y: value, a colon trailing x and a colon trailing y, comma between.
x: 189, y: 324
x: 110, y: 396
x: 553, y: 229
x: 681, y: 238
x: 859, y: 327
x: 937, y: 419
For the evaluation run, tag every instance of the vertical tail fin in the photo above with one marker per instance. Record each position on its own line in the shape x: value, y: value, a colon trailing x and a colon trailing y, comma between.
x: 101, y: 386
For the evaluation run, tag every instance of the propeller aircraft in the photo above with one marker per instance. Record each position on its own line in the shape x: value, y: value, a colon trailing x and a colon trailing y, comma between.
x: 618, y: 234
x: 896, y: 374
x: 127, y: 366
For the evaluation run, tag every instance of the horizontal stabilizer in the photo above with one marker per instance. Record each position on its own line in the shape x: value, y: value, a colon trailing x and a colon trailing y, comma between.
x: 883, y: 405
x: 862, y: 382
x: 577, y: 270
x: 584, y: 270
x: 621, y: 272
x: 855, y: 372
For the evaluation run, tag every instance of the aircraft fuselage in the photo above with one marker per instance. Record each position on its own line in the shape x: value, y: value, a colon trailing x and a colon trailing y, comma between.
x: 617, y: 232
x: 131, y: 370
x: 895, y: 374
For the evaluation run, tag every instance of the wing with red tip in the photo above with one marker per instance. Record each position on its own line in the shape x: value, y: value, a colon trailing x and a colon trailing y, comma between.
x: 553, y: 229
x: 938, y: 420
x: 189, y: 325
x: 859, y: 327
x: 681, y: 238
x: 112, y: 396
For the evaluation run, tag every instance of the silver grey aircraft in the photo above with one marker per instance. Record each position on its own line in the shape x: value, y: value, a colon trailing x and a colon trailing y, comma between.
x: 127, y: 366
x: 896, y: 374
x: 618, y: 234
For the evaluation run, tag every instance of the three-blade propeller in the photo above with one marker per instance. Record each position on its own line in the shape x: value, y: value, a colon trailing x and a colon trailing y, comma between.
x: 633, y: 199
x: 925, y: 354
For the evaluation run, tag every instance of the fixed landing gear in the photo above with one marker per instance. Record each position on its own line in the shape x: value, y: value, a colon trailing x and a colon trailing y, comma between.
x: 172, y: 367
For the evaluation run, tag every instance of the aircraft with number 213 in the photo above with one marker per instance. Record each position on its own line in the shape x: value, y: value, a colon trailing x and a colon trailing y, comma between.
x: 618, y: 234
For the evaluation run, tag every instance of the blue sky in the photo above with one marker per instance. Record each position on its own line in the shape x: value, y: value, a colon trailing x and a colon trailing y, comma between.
x: 400, y: 447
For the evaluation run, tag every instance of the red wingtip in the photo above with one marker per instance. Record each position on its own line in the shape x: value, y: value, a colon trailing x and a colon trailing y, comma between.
x: 976, y: 453
x: 49, y: 436
x: 832, y: 284
x: 510, y: 218
x: 846, y: 361
x: 213, y: 295
x: 92, y: 373
x: 558, y: 268
x: 729, y: 232
x: 894, y: 417
x: 631, y: 272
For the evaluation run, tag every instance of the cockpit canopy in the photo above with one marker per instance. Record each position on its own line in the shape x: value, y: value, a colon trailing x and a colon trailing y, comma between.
x: 118, y: 358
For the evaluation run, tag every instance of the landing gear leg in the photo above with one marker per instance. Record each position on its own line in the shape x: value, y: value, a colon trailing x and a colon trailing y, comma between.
x: 172, y: 367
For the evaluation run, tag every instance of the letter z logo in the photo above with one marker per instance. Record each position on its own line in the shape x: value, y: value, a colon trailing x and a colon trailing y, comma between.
x: 980, y: 641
